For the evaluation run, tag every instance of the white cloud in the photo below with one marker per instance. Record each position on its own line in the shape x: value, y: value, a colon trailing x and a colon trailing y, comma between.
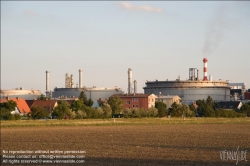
x: 145, y: 8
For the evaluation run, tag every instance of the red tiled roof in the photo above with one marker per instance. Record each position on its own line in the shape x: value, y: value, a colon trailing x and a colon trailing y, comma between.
x: 21, y: 104
x: 29, y: 102
x: 44, y: 103
x: 70, y: 101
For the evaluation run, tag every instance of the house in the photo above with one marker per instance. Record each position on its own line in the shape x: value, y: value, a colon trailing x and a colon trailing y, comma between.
x: 49, y: 105
x: 29, y: 102
x: 137, y: 100
x: 22, y: 107
x: 169, y: 100
x: 229, y: 104
x: 95, y: 105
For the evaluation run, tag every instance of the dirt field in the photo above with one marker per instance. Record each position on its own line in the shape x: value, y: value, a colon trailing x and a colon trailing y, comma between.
x: 173, y: 144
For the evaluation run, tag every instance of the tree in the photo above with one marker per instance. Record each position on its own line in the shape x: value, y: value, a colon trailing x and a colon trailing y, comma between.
x: 83, y: 98
x: 205, y: 108
x: 6, y: 114
x: 6, y: 108
x: 9, y: 105
x: 107, y: 111
x: 162, y: 108
x: 77, y: 105
x: 116, y: 105
x: 62, y: 110
x: 186, y: 111
x: 201, y: 105
x: 176, y: 110
x: 210, y: 102
x: 208, y: 111
x: 90, y: 103
x: 245, y: 109
x: 42, y: 97
x: 38, y: 112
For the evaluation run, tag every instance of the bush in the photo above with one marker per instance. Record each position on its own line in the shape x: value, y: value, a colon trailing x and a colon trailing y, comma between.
x: 228, y: 113
x: 127, y: 113
x: 17, y: 116
x: 152, y: 112
x: 100, y: 112
x: 143, y: 112
x: 80, y: 114
x: 208, y: 111
x: 136, y: 113
x: 107, y: 111
x: 38, y: 112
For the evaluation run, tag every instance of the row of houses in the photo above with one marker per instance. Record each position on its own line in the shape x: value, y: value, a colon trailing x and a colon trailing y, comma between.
x: 23, y: 106
x: 130, y: 101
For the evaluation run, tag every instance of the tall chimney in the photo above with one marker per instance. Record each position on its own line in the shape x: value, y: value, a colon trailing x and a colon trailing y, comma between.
x: 135, y: 86
x: 80, y: 78
x: 130, y: 81
x: 198, y: 74
x: 205, y: 69
x: 47, y: 81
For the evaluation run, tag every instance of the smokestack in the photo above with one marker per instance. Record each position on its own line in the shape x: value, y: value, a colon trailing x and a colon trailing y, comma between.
x: 205, y: 69
x: 66, y: 80
x: 47, y: 81
x: 130, y: 81
x: 80, y: 78
x: 135, y: 86
x: 198, y: 74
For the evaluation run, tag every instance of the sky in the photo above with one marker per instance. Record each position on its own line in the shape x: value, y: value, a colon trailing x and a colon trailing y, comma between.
x: 157, y: 40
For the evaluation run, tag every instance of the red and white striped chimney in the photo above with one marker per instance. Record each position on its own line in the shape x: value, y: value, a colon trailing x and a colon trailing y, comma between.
x: 205, y: 69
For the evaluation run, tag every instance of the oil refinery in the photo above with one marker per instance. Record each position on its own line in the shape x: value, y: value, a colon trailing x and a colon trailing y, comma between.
x: 73, y: 91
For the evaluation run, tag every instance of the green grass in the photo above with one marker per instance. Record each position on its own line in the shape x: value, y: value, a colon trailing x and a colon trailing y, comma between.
x: 124, y: 121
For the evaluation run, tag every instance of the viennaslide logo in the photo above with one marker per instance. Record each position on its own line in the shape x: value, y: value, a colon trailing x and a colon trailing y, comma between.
x: 236, y: 155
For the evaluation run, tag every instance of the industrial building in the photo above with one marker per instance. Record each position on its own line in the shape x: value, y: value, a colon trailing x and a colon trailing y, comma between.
x: 237, y: 91
x: 192, y: 89
x: 73, y: 91
x: 21, y: 93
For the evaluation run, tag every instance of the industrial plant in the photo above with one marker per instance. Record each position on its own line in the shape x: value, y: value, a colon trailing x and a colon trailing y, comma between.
x: 73, y: 91
x: 192, y: 89
x: 189, y: 90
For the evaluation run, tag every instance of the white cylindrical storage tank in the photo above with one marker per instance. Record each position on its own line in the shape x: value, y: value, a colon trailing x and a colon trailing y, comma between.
x: 210, y: 78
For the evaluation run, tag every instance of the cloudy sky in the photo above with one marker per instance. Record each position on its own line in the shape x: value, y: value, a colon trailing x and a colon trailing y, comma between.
x: 158, y: 40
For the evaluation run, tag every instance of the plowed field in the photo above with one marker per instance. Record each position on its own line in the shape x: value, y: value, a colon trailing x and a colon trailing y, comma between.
x: 173, y: 144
